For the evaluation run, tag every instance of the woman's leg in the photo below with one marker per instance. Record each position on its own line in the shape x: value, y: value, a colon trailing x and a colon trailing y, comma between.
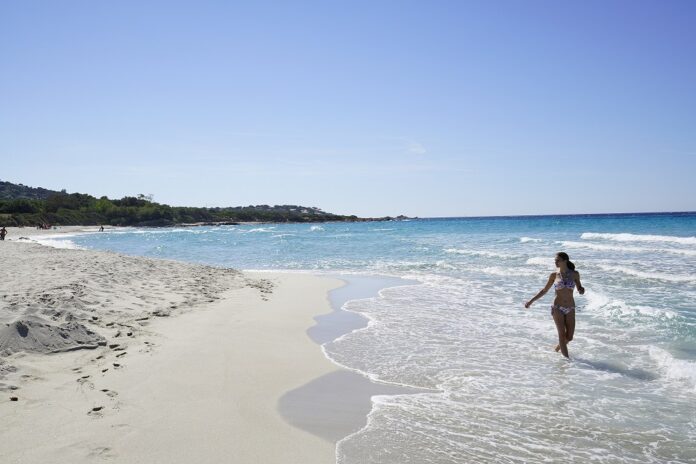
x: 570, y: 325
x: 569, y: 328
x: 560, y: 320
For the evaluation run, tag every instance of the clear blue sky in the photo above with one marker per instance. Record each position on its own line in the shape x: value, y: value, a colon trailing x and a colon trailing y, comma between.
x: 426, y: 108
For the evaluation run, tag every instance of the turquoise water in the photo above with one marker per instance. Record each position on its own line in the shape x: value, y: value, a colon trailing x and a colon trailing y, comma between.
x: 627, y: 395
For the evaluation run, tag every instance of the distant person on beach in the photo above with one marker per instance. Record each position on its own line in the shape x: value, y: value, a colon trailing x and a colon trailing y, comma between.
x: 3, y: 232
x: 565, y: 279
x: 101, y: 228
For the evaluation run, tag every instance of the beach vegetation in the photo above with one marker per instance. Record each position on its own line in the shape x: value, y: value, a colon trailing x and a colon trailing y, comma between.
x: 28, y: 206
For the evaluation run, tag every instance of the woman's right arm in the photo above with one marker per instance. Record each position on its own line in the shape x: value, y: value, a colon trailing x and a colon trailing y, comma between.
x: 543, y: 291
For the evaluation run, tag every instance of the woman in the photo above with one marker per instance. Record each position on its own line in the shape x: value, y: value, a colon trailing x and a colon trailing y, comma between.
x: 563, y: 308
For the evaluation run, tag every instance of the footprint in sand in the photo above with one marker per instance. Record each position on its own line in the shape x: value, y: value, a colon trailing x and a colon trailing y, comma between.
x: 96, y: 411
x: 83, y: 381
x: 109, y: 393
x: 102, y: 452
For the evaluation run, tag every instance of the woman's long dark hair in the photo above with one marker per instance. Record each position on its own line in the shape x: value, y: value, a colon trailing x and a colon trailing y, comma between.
x: 565, y: 257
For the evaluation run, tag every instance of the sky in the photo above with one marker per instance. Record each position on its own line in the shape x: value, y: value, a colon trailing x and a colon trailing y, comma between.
x: 423, y: 108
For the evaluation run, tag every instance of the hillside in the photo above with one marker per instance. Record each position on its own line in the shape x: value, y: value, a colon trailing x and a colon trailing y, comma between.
x: 27, y: 206
x: 10, y: 191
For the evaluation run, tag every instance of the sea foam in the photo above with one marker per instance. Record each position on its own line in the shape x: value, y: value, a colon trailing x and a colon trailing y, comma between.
x: 675, y: 369
x: 601, y: 304
x: 57, y: 243
x: 626, y: 237
x: 541, y: 261
x: 486, y: 253
x: 649, y: 275
x: 626, y: 249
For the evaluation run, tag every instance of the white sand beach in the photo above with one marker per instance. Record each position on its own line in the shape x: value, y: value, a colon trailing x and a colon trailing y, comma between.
x: 105, y: 357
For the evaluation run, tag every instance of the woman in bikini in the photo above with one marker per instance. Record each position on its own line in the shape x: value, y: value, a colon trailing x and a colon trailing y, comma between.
x: 563, y: 308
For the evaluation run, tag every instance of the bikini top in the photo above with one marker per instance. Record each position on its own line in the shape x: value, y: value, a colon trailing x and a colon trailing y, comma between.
x: 568, y: 282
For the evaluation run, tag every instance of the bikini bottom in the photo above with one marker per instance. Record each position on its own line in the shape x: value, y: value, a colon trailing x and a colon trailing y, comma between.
x: 563, y: 309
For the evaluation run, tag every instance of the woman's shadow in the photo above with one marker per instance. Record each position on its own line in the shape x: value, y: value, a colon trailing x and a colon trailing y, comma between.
x: 633, y: 373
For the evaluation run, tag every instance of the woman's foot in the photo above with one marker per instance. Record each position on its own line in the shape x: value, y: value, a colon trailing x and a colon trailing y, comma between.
x: 557, y: 349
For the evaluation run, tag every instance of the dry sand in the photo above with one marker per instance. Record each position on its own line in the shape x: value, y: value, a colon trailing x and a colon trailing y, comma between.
x: 132, y: 360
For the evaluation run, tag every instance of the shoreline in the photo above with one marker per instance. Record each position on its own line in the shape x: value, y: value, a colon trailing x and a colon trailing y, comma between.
x: 203, y: 383
x: 112, y: 386
x: 337, y: 404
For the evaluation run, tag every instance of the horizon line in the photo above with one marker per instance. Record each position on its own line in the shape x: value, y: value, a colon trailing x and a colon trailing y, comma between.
x: 554, y: 215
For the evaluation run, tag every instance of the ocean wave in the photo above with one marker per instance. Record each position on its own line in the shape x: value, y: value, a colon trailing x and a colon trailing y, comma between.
x: 507, y: 272
x: 649, y: 275
x: 163, y: 231
x: 488, y: 254
x: 541, y: 261
x: 442, y: 264
x: 673, y: 368
x: 120, y: 231
x: 627, y: 249
x: 316, y: 228
x: 388, y: 268
x: 599, y: 303
x: 625, y: 237
x: 529, y: 239
x: 159, y: 231
x: 58, y: 243
x: 433, y: 280
x: 54, y: 236
x: 257, y: 230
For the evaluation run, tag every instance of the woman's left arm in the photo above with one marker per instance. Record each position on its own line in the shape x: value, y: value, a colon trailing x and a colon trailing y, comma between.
x: 581, y: 289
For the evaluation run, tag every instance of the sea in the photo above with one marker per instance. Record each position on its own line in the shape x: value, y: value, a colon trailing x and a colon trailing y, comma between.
x: 491, y: 388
